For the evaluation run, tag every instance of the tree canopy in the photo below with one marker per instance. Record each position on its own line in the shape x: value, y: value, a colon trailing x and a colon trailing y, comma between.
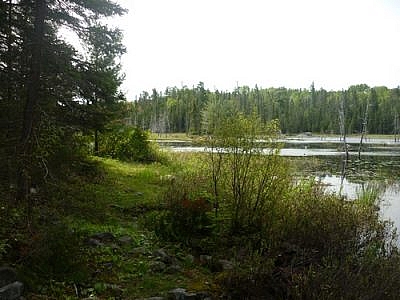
x: 198, y: 110
x: 50, y: 91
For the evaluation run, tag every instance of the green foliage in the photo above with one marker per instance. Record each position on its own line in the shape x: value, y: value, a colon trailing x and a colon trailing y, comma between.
x: 185, y: 219
x: 319, y: 247
x: 370, y: 194
x: 52, y: 94
x: 53, y: 252
x: 129, y: 144
x: 298, y: 110
x: 247, y: 171
x: 187, y: 209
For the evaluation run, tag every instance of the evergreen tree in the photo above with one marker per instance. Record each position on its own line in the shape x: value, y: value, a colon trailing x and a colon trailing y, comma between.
x: 42, y: 99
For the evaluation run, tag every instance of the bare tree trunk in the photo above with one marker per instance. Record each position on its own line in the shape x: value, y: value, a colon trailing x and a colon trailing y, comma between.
x: 396, y: 127
x: 30, y: 111
x: 342, y: 124
x: 364, y: 130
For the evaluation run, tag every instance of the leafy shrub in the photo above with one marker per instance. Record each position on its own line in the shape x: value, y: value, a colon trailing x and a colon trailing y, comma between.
x: 53, y: 252
x: 129, y: 144
x: 246, y: 171
x: 299, y: 242
x: 188, y: 208
x: 185, y: 219
x: 320, y: 247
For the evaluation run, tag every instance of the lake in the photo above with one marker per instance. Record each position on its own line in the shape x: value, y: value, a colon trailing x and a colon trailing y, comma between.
x: 379, y: 164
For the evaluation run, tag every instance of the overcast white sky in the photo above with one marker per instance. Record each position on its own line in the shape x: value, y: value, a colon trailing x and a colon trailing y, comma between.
x: 271, y: 43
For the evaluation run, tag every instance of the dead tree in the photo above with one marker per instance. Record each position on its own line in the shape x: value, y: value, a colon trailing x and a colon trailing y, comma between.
x: 364, y: 129
x: 342, y: 125
x: 396, y: 127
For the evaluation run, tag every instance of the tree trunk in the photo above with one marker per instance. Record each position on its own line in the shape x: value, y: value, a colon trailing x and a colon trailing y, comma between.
x: 364, y: 130
x: 30, y: 109
x: 96, y: 142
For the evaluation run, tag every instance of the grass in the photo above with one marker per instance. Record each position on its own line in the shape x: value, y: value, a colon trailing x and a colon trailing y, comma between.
x: 311, y: 241
x: 116, y: 203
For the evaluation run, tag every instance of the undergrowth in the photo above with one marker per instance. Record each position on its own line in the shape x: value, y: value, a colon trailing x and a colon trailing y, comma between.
x: 302, y: 244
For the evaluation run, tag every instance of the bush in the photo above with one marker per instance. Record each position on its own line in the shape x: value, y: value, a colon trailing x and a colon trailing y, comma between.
x: 187, y: 210
x: 54, y: 252
x: 129, y: 144
x: 320, y: 247
x: 299, y: 242
x: 247, y: 172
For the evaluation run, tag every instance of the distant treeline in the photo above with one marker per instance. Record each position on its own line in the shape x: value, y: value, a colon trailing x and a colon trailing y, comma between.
x: 198, y: 110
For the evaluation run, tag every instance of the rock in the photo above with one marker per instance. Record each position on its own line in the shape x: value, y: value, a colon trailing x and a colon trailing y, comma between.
x: 7, y: 276
x: 163, y: 256
x: 182, y: 294
x: 225, y: 264
x: 104, y: 237
x: 11, y: 291
x: 138, y: 251
x: 179, y: 294
x: 158, y: 267
x: 94, y: 243
x: 205, y: 259
x: 173, y: 269
x: 125, y: 240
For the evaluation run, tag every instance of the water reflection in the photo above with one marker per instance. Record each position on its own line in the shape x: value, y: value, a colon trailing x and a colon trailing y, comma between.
x: 390, y: 196
x: 380, y: 162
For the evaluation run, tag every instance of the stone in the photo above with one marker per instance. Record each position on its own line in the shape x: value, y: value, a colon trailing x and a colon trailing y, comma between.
x: 125, y: 240
x: 163, y: 256
x: 205, y: 259
x: 225, y: 264
x: 158, y: 267
x: 94, y: 243
x: 7, y: 276
x: 177, y: 294
x: 181, y: 294
x: 11, y: 291
x: 104, y: 237
x: 138, y: 251
x: 173, y: 269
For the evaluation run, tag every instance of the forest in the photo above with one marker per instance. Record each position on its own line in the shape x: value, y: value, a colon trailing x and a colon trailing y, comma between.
x: 91, y: 208
x: 196, y: 110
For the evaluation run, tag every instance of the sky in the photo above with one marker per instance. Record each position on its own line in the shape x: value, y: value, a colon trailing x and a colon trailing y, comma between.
x: 271, y: 43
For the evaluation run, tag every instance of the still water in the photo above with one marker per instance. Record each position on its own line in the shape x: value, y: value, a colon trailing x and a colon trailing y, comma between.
x: 379, y: 164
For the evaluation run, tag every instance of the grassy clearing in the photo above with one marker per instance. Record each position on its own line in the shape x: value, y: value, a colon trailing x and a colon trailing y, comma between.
x: 114, y: 202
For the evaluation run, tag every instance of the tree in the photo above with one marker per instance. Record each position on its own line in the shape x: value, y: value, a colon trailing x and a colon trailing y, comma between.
x: 248, y: 174
x: 101, y: 77
x: 42, y: 75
